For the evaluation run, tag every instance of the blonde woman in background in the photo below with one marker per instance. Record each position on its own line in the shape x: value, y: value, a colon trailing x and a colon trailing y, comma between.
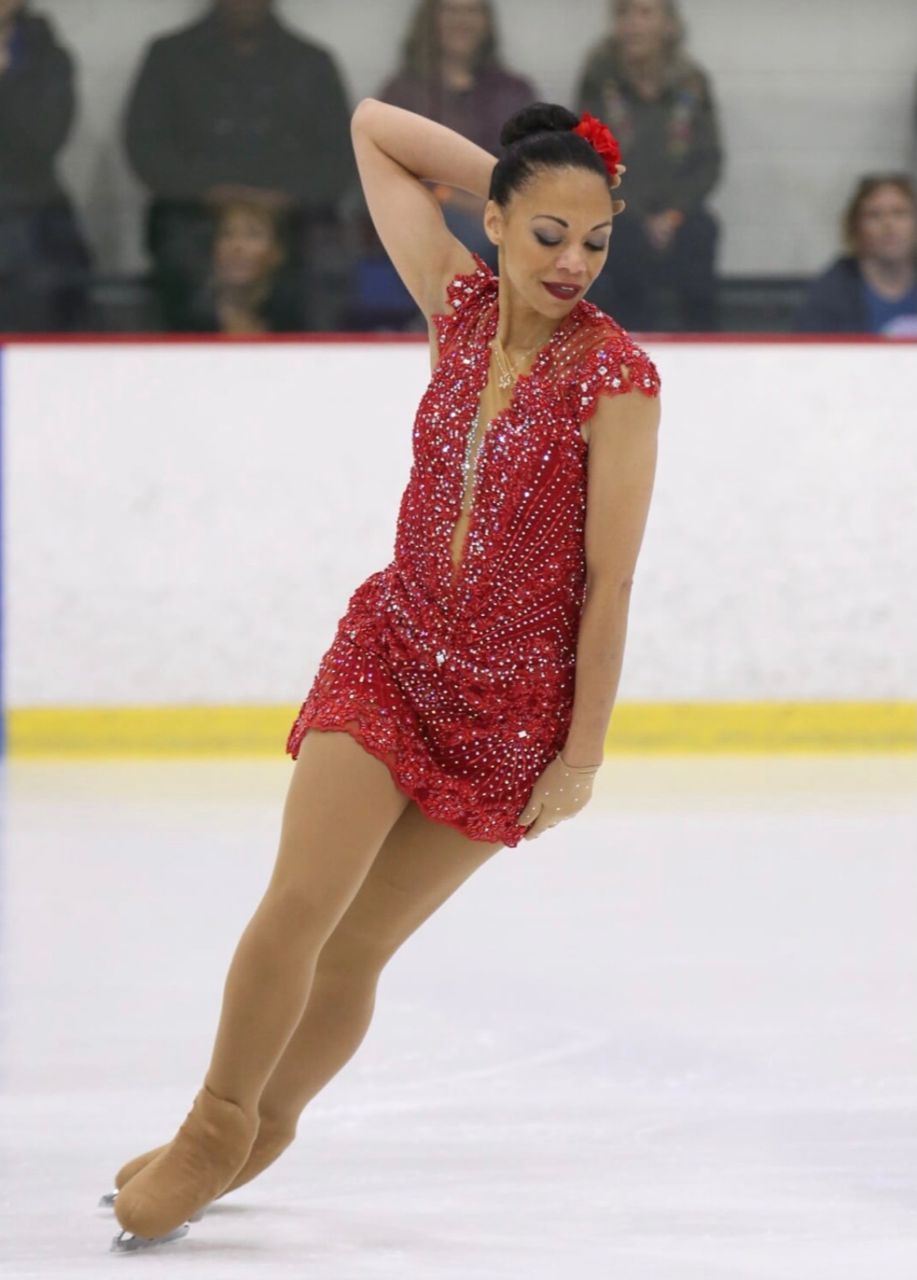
x: 660, y: 104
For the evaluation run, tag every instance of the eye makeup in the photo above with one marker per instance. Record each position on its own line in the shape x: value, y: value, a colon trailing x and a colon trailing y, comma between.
x: 597, y: 248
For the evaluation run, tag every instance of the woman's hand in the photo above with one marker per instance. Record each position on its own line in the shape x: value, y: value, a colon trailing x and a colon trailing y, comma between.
x: 560, y: 792
x: 661, y: 227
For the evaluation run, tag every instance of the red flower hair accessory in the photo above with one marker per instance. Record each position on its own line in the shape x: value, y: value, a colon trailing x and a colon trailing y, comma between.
x: 601, y: 139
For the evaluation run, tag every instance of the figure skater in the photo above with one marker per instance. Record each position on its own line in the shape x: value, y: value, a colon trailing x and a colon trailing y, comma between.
x: 463, y: 704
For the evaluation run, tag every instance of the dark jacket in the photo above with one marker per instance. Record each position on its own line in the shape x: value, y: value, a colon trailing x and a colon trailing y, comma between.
x: 201, y: 114
x: 478, y: 113
x: 36, y: 111
x: 835, y: 303
x: 671, y: 145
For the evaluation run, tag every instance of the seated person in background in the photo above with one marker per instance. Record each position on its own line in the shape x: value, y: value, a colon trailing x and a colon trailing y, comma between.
x: 44, y: 262
x: 873, y: 287
x: 660, y: 105
x: 235, y: 106
x: 452, y: 72
x: 247, y: 290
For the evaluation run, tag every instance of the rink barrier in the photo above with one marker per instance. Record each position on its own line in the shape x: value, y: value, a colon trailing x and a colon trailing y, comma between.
x: 639, y: 728
x: 3, y: 542
x: 664, y: 726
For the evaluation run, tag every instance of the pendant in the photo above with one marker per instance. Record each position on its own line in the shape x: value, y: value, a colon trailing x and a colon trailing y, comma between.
x: 504, y: 381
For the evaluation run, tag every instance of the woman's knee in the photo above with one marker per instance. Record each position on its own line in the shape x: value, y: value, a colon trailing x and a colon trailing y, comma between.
x: 292, y: 908
x: 356, y: 953
x: 419, y: 866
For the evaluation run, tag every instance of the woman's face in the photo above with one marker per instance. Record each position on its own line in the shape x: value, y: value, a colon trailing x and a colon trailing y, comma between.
x: 887, y: 226
x: 247, y: 251
x: 555, y: 231
x: 463, y: 26
x: 642, y: 27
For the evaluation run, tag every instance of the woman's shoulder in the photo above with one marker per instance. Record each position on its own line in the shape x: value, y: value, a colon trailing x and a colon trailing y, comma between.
x: 833, y: 301
x: 690, y: 77
x: 603, y: 358
x: 843, y: 270
x: 604, y: 341
x: 601, y: 56
x: 467, y: 294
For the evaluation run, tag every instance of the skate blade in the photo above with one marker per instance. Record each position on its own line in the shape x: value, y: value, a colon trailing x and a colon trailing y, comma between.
x: 108, y: 1202
x: 127, y: 1243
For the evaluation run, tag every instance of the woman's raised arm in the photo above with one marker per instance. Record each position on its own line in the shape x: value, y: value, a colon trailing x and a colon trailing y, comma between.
x: 395, y: 151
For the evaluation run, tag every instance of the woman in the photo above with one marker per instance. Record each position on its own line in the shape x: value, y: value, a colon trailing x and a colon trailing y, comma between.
x: 452, y: 71
x: 660, y: 104
x: 251, y: 288
x: 873, y: 287
x: 464, y: 701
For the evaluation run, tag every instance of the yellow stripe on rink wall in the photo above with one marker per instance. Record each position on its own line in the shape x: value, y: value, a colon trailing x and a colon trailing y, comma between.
x: 636, y: 727
x: 763, y: 726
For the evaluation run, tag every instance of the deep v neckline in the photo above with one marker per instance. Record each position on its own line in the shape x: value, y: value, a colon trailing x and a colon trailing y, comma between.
x: 520, y: 388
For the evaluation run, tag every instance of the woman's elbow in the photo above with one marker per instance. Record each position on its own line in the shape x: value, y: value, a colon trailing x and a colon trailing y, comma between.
x: 363, y: 113
x: 610, y: 584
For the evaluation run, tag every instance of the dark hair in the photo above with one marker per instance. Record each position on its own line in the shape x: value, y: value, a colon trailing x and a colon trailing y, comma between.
x: 421, y: 50
x: 539, y: 137
x: 868, y: 186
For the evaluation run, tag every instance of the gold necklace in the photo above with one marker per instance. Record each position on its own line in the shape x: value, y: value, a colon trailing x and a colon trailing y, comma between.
x: 507, y: 373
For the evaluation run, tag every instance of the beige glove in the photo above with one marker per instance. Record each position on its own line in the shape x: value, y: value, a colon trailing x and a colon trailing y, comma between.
x: 560, y: 792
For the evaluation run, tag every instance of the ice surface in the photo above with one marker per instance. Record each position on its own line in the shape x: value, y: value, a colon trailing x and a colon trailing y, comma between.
x: 674, y: 1039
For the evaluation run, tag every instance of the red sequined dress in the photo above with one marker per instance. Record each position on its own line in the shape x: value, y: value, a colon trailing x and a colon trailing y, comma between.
x: 462, y: 680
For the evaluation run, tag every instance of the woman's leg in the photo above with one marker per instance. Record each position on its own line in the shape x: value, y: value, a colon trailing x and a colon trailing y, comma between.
x: 341, y: 804
x: 419, y: 866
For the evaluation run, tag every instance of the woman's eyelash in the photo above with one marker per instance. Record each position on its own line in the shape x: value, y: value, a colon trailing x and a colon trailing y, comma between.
x: 598, y: 248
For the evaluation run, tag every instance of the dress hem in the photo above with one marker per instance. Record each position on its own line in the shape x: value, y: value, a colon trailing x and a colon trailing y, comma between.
x: 335, y: 724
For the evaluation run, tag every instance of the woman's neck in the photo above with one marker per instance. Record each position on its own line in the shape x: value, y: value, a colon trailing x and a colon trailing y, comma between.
x: 647, y: 73
x: 519, y: 327
x: 891, y: 280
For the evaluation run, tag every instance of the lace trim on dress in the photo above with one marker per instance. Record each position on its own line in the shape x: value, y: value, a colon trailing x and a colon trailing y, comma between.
x: 462, y: 287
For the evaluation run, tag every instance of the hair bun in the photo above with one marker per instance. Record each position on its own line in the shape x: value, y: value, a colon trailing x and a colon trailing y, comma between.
x: 539, y: 117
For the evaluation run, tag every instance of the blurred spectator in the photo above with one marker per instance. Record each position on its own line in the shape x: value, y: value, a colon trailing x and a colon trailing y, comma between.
x: 235, y: 106
x: 660, y: 105
x: 873, y: 287
x: 452, y: 72
x: 44, y: 262
x: 246, y: 290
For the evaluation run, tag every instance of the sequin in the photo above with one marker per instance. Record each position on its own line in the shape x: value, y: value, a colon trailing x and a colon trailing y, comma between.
x: 460, y: 677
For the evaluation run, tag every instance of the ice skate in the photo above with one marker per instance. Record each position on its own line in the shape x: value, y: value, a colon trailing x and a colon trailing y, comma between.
x: 124, y: 1242
x: 127, y: 1171
x: 268, y: 1146
x: 108, y: 1202
x: 270, y: 1143
x: 209, y: 1150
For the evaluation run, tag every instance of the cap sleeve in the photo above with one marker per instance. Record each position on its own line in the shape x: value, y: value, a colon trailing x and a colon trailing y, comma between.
x: 615, y: 366
x: 465, y: 295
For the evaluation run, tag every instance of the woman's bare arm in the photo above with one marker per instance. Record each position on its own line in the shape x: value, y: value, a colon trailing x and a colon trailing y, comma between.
x: 621, y: 469
x: 396, y: 151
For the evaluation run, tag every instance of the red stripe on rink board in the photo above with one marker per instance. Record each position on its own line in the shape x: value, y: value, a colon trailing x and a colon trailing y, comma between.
x: 417, y: 339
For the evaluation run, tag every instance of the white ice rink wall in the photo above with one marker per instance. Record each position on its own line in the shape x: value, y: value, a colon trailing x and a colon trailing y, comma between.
x: 184, y: 523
